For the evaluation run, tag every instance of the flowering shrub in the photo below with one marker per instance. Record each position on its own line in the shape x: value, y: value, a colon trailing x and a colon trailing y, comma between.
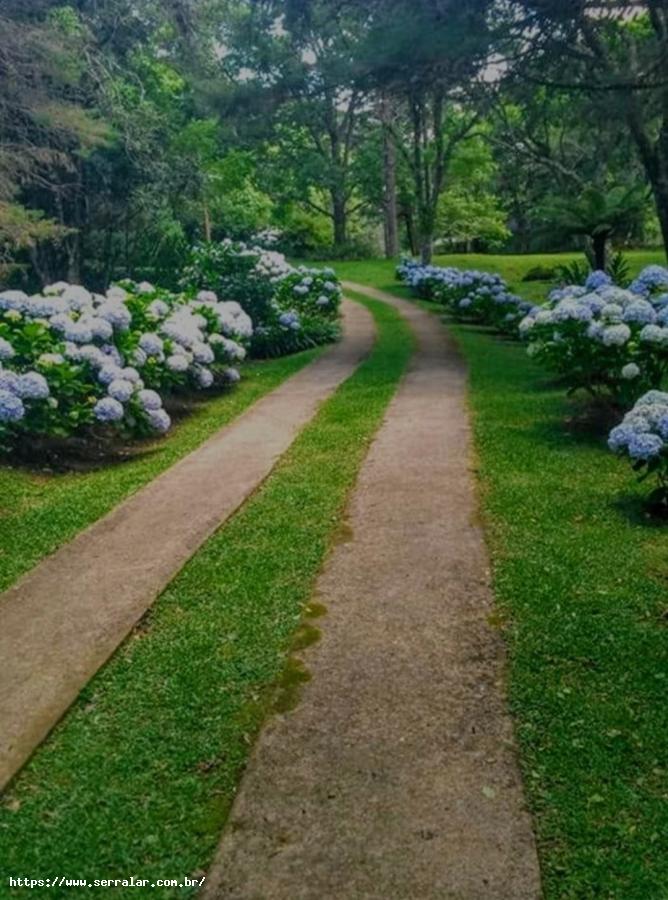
x: 423, y: 280
x: 71, y: 360
x: 310, y: 291
x: 468, y: 295
x: 601, y: 338
x: 178, y: 343
x: 643, y: 438
x: 292, y: 309
x: 291, y: 332
x: 236, y: 271
x: 651, y: 280
x: 268, y: 238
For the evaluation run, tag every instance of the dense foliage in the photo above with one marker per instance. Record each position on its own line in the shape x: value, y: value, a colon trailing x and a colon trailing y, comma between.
x: 74, y: 361
x: 292, y: 309
x: 128, y: 133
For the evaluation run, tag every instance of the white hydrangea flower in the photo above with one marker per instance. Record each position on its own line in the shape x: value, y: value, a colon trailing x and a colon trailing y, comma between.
x: 630, y: 372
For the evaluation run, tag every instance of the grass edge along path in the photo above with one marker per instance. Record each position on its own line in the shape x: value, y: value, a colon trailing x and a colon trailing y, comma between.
x: 42, y: 511
x: 579, y: 576
x: 140, y: 775
x: 580, y: 582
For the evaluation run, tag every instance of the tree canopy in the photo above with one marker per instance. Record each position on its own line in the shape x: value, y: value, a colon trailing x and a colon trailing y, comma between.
x: 131, y: 128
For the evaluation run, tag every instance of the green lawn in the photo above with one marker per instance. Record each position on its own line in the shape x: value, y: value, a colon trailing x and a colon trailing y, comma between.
x: 40, y: 511
x: 380, y: 272
x: 580, y: 578
x: 139, y: 776
x: 580, y: 575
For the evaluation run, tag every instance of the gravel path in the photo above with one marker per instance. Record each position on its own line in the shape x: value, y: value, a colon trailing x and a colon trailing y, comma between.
x: 395, y: 777
x: 64, y: 619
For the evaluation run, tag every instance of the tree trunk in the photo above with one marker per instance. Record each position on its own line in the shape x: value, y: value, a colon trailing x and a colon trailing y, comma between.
x: 426, y: 249
x: 339, y: 217
x: 410, y: 232
x: 207, y: 224
x: 600, y: 249
x: 389, y: 183
x: 660, y: 194
x: 426, y: 225
x: 654, y: 156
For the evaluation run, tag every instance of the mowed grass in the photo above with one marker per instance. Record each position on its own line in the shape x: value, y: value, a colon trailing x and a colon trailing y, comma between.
x: 380, y: 272
x: 41, y: 510
x: 581, y: 577
x: 139, y: 777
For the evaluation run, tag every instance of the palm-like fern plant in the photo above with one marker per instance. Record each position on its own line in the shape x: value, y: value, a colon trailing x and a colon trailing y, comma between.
x: 596, y: 214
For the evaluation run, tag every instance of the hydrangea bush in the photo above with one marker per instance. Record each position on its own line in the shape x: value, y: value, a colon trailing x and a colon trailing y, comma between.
x: 292, y: 309
x: 643, y: 438
x: 602, y: 338
x: 236, y: 271
x: 310, y: 291
x: 72, y: 360
x: 468, y: 295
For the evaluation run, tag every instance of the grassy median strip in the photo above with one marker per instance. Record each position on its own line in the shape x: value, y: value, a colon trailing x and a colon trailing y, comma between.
x: 40, y: 511
x: 139, y: 777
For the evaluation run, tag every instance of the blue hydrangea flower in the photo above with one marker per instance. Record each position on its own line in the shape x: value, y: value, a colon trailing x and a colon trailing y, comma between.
x: 662, y: 427
x: 177, y: 363
x: 11, y: 407
x: 101, y: 329
x: 290, y: 320
x: 8, y: 380
x: 597, y: 279
x: 651, y: 278
x: 108, y: 410
x: 121, y: 390
x: 159, y: 420
x: 109, y: 373
x: 203, y: 354
x: 78, y: 332
x: 645, y: 446
x: 151, y: 344
x: 653, y: 334
x: 138, y: 358
x: 653, y: 398
x: 620, y: 437
x: 204, y: 377
x: 15, y: 300
x: 116, y: 313
x: 149, y: 400
x: 640, y: 312
x: 131, y: 374
x: 616, y: 335
x: 32, y: 386
x: 6, y: 350
x: 92, y: 355
x: 159, y: 309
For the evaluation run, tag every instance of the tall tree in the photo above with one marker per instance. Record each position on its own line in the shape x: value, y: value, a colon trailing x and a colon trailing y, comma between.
x: 426, y: 53
x: 616, y: 52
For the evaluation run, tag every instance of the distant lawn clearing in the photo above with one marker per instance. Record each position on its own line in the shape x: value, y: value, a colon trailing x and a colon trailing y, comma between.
x: 380, y: 272
x: 140, y: 775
